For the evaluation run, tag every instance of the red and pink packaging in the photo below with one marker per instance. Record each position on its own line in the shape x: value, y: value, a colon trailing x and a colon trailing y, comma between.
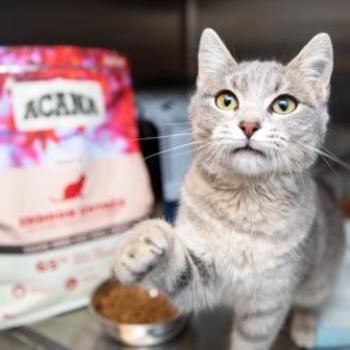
x: 72, y: 177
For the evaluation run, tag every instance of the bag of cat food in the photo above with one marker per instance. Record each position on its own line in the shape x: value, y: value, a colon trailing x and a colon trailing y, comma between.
x: 72, y: 177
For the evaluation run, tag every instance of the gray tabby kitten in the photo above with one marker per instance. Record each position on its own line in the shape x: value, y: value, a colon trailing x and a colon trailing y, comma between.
x: 255, y: 231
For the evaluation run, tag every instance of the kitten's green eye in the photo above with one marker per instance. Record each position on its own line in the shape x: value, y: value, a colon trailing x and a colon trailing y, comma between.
x: 226, y: 101
x: 284, y: 104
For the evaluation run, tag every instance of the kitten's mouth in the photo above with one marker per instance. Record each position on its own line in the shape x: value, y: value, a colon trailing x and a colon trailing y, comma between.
x: 248, y: 149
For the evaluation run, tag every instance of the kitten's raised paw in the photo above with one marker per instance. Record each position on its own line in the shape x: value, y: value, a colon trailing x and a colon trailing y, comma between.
x: 303, y: 329
x: 148, y: 244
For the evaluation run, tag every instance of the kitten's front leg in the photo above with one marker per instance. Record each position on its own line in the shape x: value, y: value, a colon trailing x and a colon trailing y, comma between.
x: 257, y: 327
x: 153, y: 253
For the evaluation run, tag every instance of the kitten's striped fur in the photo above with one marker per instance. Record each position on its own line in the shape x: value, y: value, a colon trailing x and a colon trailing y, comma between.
x: 256, y: 233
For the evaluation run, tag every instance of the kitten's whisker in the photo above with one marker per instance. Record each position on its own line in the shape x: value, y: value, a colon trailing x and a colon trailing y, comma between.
x: 178, y: 123
x: 329, y: 165
x: 333, y: 155
x: 162, y: 137
x: 188, y: 151
x: 202, y: 150
x: 172, y: 149
x: 323, y: 153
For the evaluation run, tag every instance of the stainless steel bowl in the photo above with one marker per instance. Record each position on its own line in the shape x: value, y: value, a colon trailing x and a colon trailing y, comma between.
x: 139, y: 334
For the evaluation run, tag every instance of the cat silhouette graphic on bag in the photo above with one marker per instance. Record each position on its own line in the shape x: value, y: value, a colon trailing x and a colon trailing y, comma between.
x: 72, y: 190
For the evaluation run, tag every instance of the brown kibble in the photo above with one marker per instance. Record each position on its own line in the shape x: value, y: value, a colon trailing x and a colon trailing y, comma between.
x: 132, y: 305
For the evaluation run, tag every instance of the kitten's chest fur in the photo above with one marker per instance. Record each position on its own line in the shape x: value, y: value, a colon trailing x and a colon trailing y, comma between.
x: 251, y: 226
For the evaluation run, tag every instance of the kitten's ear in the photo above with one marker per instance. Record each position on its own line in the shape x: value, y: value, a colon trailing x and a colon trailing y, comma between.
x: 315, y: 62
x: 214, y: 59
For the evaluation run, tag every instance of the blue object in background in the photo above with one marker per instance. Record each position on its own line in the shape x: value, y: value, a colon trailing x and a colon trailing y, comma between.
x: 169, y: 211
x: 333, y: 329
x: 333, y: 337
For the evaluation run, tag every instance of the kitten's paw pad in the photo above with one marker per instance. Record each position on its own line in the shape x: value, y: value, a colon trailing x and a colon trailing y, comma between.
x: 303, y: 331
x: 143, y: 252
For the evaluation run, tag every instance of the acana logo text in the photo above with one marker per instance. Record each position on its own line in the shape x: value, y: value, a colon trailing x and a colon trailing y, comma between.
x: 60, y: 104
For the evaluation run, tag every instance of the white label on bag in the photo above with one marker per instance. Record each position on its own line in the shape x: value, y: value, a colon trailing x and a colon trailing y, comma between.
x: 58, y: 103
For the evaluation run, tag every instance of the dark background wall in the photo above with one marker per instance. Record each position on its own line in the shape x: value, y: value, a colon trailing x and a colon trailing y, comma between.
x: 160, y: 37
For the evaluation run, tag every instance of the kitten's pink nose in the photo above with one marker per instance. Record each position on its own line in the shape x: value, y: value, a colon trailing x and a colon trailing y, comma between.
x: 249, y: 128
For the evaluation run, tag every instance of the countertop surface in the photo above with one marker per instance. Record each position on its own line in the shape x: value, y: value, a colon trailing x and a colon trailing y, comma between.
x: 79, y: 330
